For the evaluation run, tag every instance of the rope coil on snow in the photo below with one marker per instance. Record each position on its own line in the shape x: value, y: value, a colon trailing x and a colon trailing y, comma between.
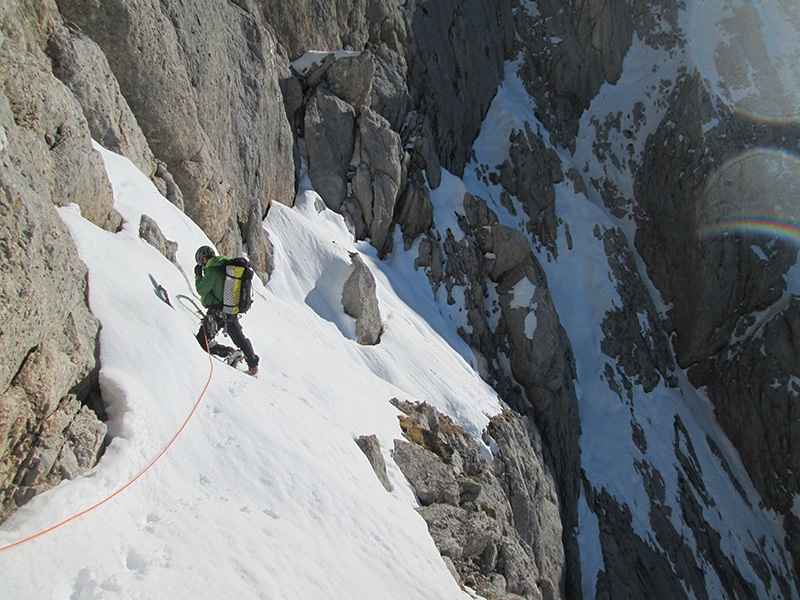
x: 132, y: 481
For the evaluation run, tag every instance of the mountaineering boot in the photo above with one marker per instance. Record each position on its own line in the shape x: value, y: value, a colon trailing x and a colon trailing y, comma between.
x: 234, y: 358
x: 252, y: 371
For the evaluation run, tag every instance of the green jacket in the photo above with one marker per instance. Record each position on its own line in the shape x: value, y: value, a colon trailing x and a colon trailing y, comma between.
x: 211, y: 285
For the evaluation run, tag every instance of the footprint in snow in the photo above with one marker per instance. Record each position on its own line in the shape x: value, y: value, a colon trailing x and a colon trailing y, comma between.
x: 150, y: 522
x: 85, y: 586
x: 136, y: 563
x: 236, y: 388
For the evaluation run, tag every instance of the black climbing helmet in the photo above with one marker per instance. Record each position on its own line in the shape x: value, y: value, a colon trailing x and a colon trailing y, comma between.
x: 202, y: 253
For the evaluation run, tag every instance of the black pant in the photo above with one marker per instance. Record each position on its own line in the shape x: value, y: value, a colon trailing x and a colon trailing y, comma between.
x: 212, y: 323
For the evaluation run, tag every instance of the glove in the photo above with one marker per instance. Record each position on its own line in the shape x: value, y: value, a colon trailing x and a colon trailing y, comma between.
x: 198, y: 270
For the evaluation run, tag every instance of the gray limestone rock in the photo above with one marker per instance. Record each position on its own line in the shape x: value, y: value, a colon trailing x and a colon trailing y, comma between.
x: 68, y: 444
x: 350, y: 78
x: 360, y: 301
x: 151, y: 233
x: 764, y: 367
x: 379, y: 176
x: 56, y: 135
x: 144, y: 53
x: 592, y: 40
x: 497, y: 523
x: 634, y: 335
x: 456, y: 51
x: 371, y: 448
x: 330, y: 140
x: 532, y: 495
x: 202, y: 80
x: 48, y: 336
x: 535, y: 170
x: 433, y: 481
x: 165, y: 183
x: 417, y: 136
x: 390, y: 96
x: 82, y: 66
x: 414, y: 211
x: 720, y: 286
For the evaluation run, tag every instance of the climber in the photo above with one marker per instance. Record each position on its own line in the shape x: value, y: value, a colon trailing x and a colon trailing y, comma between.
x: 209, y: 279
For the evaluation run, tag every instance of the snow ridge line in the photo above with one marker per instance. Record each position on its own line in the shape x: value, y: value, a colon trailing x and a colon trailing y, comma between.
x: 132, y: 481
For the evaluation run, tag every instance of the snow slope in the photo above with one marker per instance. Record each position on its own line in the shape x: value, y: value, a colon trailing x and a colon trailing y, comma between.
x: 264, y: 493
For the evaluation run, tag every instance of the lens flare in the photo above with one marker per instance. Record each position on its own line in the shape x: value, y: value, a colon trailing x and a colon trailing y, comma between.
x: 756, y: 192
x: 746, y: 52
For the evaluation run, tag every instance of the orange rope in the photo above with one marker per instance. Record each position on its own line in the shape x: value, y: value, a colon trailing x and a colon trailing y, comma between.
x: 132, y: 481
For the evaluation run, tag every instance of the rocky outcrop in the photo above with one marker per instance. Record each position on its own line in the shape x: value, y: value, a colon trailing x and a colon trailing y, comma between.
x: 497, y: 523
x: 718, y: 279
x: 203, y: 83
x: 521, y: 347
x: 655, y: 573
x: 453, y: 50
x: 355, y: 159
x: 529, y: 175
x: 151, y: 233
x: 48, y: 371
x: 81, y: 65
x: 569, y: 52
x: 733, y: 323
x: 379, y: 177
x: 377, y: 122
x: 754, y: 387
x: 634, y: 335
x: 360, y: 301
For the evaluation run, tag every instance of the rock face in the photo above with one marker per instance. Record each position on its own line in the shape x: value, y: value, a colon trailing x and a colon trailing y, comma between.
x: 592, y: 37
x: 721, y: 286
x: 522, y: 347
x: 641, y: 353
x: 455, y: 48
x: 202, y: 80
x: 81, y: 65
x: 497, y: 522
x: 48, y: 376
x: 377, y: 123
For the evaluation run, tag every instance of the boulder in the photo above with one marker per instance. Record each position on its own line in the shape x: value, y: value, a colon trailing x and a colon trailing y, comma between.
x: 360, y: 301
x: 433, y: 481
x: 151, y: 233
x: 350, y: 78
x: 372, y: 450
